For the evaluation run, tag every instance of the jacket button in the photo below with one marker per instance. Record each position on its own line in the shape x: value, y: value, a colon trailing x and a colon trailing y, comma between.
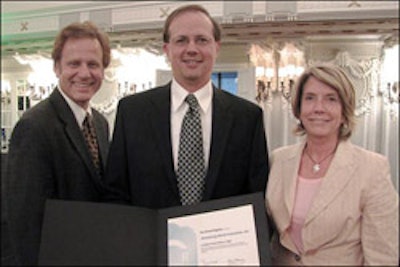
x: 297, y: 257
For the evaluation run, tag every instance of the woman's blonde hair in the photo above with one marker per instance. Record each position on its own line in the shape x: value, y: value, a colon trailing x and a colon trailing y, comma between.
x: 335, y: 77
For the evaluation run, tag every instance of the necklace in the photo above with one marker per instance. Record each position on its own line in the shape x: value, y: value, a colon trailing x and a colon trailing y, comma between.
x: 317, y: 165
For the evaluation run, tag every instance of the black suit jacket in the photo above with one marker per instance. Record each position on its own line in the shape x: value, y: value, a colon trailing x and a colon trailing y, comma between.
x: 48, y: 158
x: 140, y: 166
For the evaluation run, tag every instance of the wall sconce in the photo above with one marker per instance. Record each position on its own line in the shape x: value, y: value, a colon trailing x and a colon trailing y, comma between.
x: 389, y: 89
x: 391, y: 98
x: 263, y: 90
x: 393, y: 92
x: 276, y: 70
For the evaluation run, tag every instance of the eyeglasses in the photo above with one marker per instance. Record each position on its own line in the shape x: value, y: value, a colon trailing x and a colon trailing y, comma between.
x: 185, y: 40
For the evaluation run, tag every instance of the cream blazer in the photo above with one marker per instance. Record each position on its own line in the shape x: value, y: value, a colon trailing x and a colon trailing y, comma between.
x: 353, y: 219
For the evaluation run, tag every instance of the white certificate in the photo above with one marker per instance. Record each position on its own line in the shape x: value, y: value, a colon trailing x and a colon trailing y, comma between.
x: 222, y: 237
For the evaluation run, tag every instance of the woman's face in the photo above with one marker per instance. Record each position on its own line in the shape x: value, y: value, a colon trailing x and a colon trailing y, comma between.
x: 321, y: 110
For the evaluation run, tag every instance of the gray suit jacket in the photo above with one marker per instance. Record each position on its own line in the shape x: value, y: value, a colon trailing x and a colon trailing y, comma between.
x: 48, y: 158
x: 140, y: 166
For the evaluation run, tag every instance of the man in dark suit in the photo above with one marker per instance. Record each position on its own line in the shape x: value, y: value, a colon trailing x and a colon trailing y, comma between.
x: 144, y: 160
x: 49, y: 156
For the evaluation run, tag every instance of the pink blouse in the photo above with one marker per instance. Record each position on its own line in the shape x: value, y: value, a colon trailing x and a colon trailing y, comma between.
x: 306, y: 190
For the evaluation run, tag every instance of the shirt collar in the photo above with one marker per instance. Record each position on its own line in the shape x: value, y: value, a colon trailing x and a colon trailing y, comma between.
x: 203, y: 95
x: 78, y: 111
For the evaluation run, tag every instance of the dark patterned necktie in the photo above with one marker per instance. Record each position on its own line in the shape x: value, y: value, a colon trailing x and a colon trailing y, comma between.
x: 89, y: 134
x: 191, y: 168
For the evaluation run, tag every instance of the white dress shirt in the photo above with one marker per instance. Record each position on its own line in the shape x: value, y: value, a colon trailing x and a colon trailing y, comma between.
x: 178, y: 110
x: 78, y: 111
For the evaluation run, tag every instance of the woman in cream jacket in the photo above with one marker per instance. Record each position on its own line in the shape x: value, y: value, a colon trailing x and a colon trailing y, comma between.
x: 332, y: 202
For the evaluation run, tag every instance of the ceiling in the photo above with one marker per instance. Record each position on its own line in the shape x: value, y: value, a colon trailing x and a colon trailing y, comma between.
x: 239, y: 33
x: 379, y: 25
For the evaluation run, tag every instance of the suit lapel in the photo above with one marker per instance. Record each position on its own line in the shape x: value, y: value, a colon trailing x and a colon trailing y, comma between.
x: 160, y: 117
x: 290, y: 170
x: 337, y: 177
x: 286, y: 191
x: 221, y: 126
x: 73, y: 131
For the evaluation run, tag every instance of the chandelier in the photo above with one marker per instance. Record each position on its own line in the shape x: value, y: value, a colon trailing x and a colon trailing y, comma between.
x: 41, y: 79
x: 277, y: 68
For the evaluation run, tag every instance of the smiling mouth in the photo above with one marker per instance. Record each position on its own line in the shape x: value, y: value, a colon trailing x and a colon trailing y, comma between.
x: 83, y: 85
x: 319, y: 120
x: 191, y: 62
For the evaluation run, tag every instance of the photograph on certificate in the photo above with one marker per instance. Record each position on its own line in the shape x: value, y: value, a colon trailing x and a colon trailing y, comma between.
x: 221, y: 237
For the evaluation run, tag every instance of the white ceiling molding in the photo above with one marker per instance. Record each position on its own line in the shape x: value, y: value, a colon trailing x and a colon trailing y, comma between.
x: 30, y: 26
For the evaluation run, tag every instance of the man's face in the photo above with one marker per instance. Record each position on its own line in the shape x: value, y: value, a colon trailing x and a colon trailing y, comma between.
x: 192, y: 49
x: 80, y: 69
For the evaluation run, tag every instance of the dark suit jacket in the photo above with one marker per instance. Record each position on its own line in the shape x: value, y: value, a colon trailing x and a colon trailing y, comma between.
x: 48, y: 158
x: 140, y: 165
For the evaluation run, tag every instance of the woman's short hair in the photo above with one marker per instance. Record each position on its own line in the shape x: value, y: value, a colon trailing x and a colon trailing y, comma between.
x: 190, y: 8
x: 335, y: 77
x: 79, y: 30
